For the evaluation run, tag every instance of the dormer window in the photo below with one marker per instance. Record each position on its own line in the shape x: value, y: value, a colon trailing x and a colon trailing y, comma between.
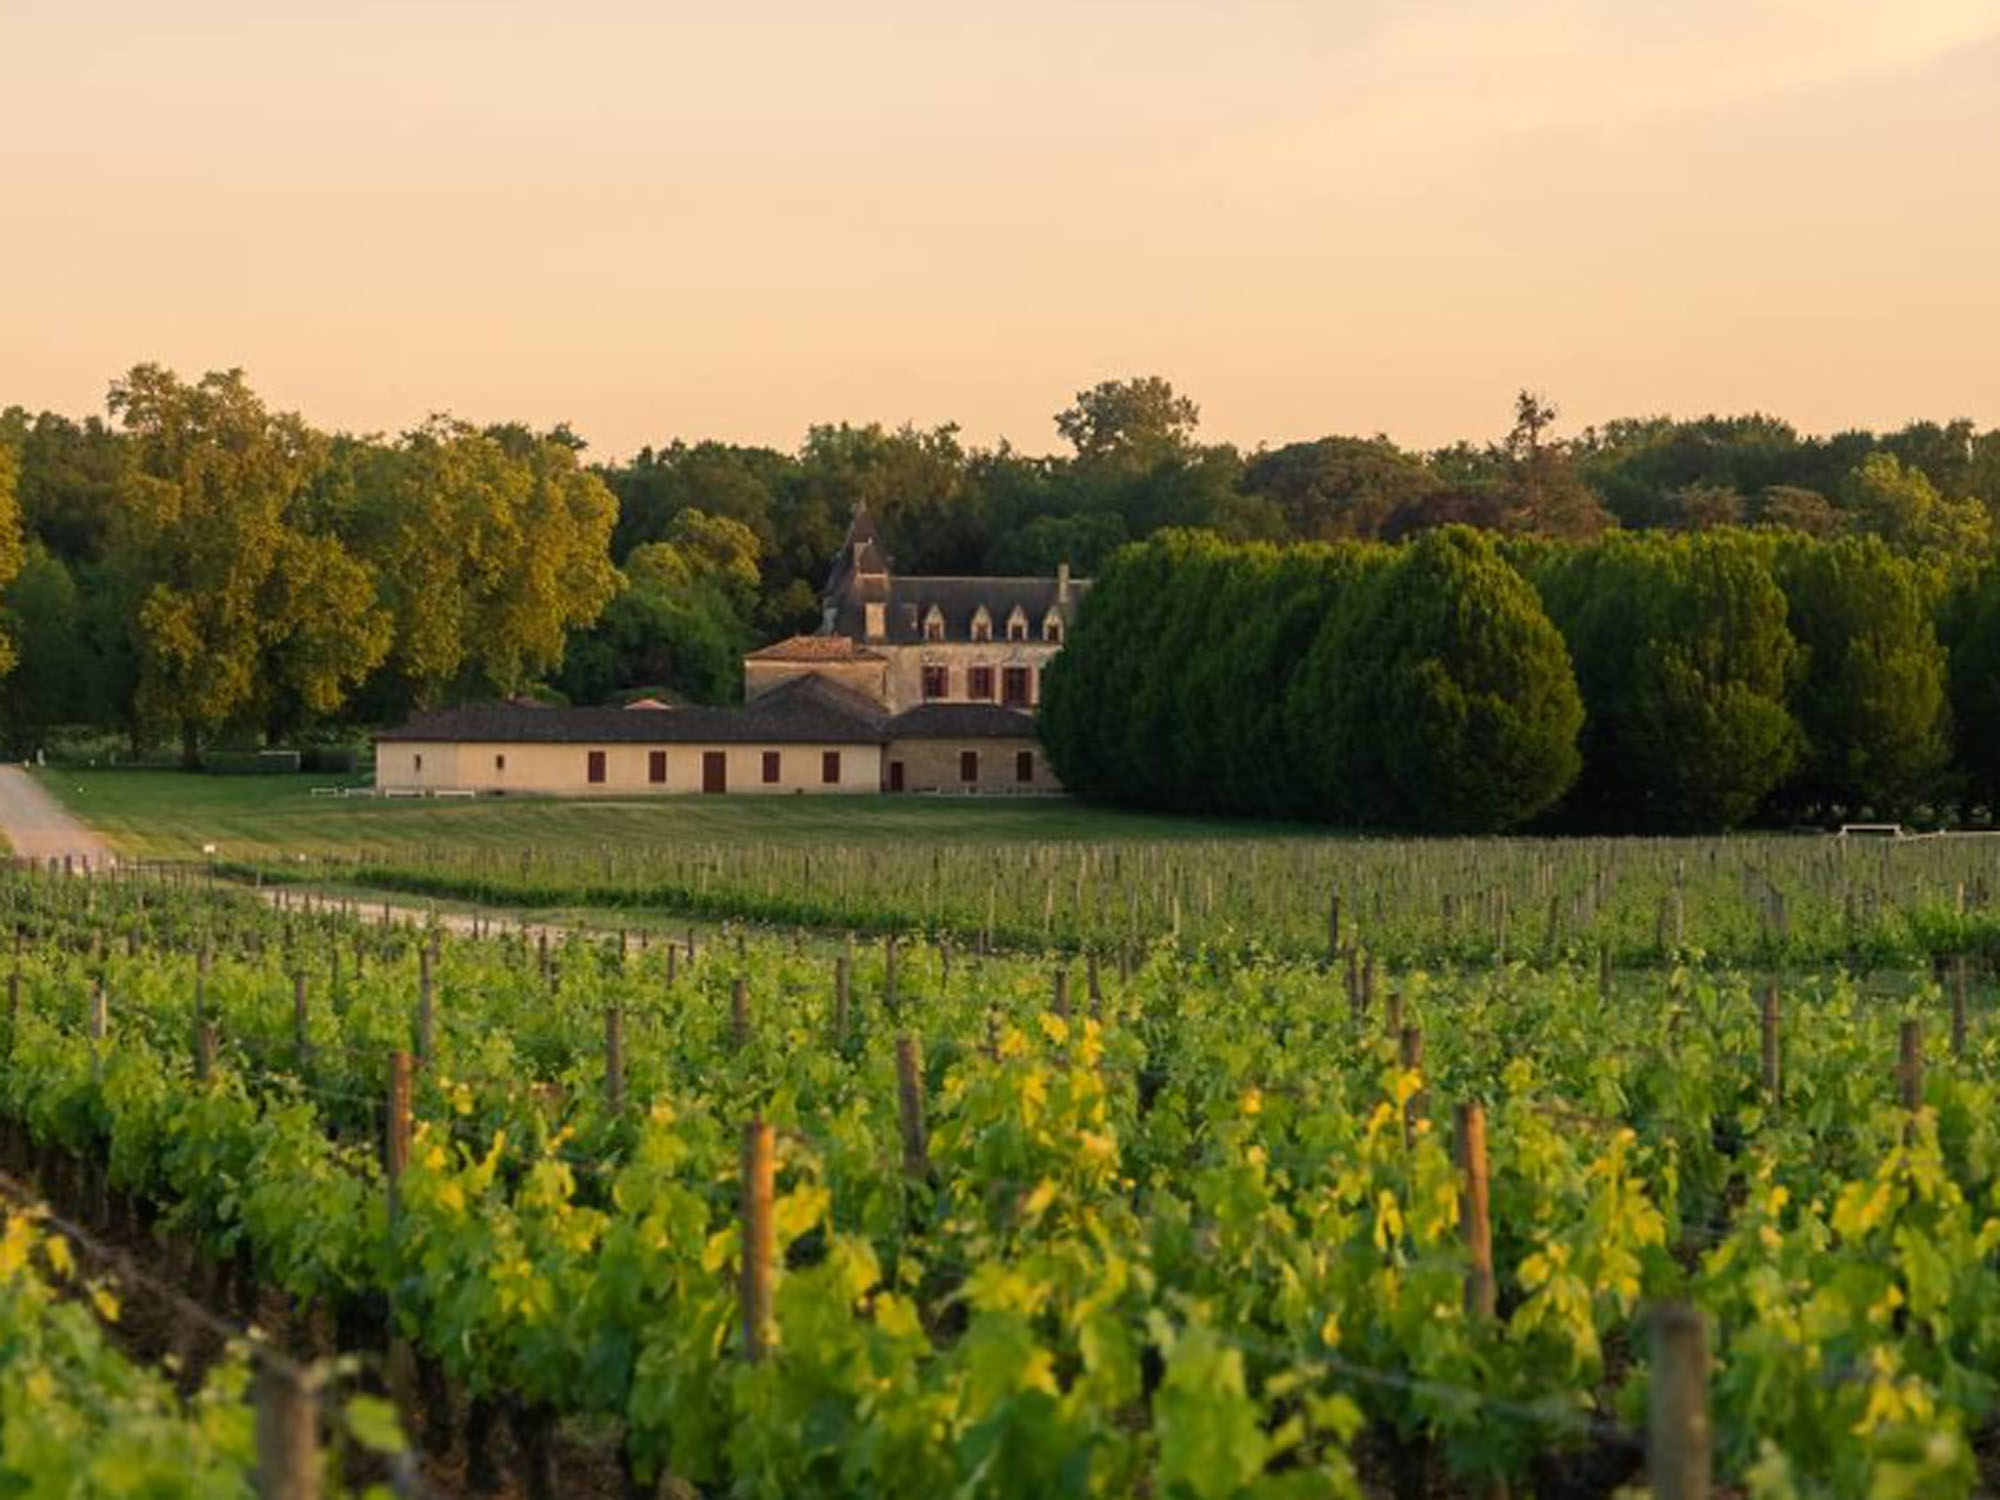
x: 1052, y: 628
x: 876, y: 622
x: 1017, y: 625
x: 982, y: 625
x: 934, y: 624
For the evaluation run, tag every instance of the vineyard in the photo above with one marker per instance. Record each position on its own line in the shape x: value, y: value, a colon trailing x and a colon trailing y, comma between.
x: 1478, y: 1167
x: 1754, y: 900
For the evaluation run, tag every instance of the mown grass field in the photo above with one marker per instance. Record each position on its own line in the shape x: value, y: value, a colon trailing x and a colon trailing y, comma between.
x: 172, y: 814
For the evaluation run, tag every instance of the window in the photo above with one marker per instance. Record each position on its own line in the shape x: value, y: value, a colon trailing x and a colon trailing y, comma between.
x: 499, y: 762
x: 594, y: 767
x: 874, y: 622
x: 656, y: 767
x: 937, y: 682
x: 968, y: 765
x: 934, y: 625
x: 982, y: 625
x: 829, y: 767
x: 1016, y: 687
x: 979, y: 684
x: 1052, y: 628
x: 1024, y: 766
x: 773, y: 767
x: 1017, y: 626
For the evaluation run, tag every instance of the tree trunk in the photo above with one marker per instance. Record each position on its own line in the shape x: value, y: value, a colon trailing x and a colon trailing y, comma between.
x: 190, y: 746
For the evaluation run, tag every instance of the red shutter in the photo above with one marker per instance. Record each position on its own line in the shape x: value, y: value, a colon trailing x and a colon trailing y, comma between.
x: 829, y: 767
x: 772, y: 767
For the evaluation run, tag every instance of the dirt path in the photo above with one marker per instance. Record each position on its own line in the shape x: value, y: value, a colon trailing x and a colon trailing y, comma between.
x: 38, y: 827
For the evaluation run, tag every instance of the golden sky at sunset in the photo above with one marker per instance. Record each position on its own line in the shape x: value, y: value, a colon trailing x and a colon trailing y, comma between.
x: 734, y: 219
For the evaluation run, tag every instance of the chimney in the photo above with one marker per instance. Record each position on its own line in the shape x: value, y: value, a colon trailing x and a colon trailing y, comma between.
x: 1062, y: 581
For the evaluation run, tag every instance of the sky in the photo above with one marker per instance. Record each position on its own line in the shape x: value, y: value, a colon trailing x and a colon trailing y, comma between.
x: 655, y: 220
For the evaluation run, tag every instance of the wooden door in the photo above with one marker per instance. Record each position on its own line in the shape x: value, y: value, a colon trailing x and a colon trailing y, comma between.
x: 895, y: 775
x: 715, y: 770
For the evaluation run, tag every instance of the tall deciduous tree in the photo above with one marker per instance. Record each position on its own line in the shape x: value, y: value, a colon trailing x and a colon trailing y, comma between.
x: 1130, y: 424
x: 492, y: 546
x: 212, y: 548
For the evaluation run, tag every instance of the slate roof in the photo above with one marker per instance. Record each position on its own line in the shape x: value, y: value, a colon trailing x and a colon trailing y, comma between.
x: 861, y: 576
x: 960, y: 721
x: 803, y: 710
x: 815, y: 648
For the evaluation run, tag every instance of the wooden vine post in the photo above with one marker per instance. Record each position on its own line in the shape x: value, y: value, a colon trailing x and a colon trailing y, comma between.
x: 288, y: 1466
x: 759, y: 1238
x: 425, y: 1018
x: 910, y: 1107
x: 1910, y: 1064
x: 100, y: 1025
x: 301, y: 1031
x: 1413, y: 1062
x: 1958, y: 984
x: 614, y: 1060
x: 1679, y: 1444
x: 1474, y: 1213
x: 1774, y: 1082
x: 396, y: 1129
x: 843, y: 991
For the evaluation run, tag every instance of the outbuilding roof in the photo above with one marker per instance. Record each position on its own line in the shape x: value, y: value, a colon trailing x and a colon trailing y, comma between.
x: 803, y: 710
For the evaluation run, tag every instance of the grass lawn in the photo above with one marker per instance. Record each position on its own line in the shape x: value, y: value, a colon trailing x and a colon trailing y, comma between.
x: 172, y: 814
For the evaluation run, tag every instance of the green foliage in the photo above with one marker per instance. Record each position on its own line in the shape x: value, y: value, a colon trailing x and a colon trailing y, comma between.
x: 1871, y: 699
x: 1454, y: 707
x: 1686, y: 665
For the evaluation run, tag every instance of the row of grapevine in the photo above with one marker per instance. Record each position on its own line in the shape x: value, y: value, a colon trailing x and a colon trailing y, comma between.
x: 1746, y: 900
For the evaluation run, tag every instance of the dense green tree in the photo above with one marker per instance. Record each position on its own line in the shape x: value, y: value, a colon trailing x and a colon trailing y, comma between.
x: 1969, y: 625
x: 225, y: 579
x: 1130, y: 424
x: 1541, y: 490
x: 12, y: 551
x: 56, y: 680
x: 1453, y: 705
x: 1086, y: 689
x: 492, y: 547
x: 1686, y: 666
x: 1339, y: 487
x: 1793, y: 509
x: 1871, y: 699
x: 1906, y: 510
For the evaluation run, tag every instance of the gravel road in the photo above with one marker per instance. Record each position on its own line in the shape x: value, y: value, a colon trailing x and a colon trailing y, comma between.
x: 38, y: 826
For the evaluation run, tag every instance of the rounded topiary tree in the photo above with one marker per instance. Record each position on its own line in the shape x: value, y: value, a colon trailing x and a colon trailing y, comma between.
x: 1453, y: 706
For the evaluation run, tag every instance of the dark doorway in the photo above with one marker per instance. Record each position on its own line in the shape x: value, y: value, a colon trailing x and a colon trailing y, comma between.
x: 715, y: 770
x: 895, y: 775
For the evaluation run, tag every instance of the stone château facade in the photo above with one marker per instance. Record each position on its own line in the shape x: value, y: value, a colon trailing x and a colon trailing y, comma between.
x: 907, y: 641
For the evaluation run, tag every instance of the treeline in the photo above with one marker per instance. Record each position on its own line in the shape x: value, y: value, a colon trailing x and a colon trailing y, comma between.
x: 1461, y: 682
x: 192, y: 567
